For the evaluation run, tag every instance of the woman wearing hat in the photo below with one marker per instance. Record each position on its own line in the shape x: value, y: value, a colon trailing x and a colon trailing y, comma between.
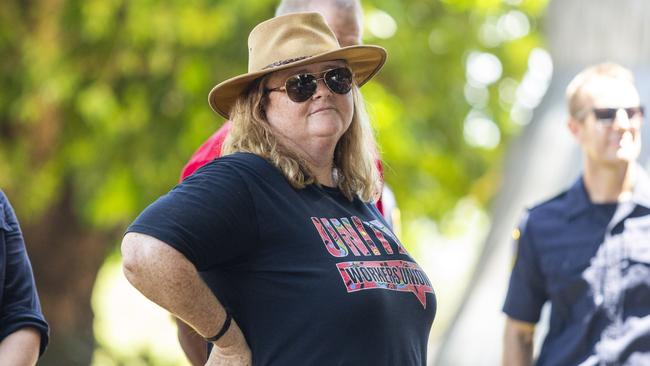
x: 274, y: 252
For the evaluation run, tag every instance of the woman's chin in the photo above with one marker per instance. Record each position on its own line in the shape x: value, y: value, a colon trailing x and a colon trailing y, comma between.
x: 326, y: 129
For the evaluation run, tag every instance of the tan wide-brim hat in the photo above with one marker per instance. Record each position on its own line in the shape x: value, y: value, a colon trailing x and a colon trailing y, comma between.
x: 294, y: 40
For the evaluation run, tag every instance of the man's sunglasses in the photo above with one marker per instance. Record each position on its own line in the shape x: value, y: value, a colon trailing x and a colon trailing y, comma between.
x: 608, y: 115
x: 301, y: 87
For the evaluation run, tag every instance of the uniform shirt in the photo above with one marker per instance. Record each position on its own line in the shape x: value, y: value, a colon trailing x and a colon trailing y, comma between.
x: 19, y: 304
x: 310, y: 277
x: 592, y: 262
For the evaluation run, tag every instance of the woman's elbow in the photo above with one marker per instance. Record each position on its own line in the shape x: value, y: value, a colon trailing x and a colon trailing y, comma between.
x: 132, y: 256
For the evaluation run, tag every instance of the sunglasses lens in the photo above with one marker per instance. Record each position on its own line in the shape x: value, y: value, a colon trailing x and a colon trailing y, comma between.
x: 634, y: 112
x: 608, y: 115
x: 339, y: 80
x: 605, y: 114
x: 301, y: 87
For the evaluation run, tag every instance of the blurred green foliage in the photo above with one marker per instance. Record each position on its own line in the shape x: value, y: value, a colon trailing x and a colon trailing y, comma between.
x: 108, y: 97
x: 419, y: 104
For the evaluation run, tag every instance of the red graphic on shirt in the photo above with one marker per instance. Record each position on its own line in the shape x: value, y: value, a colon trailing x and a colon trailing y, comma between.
x: 380, y: 230
x: 350, y: 237
x: 335, y: 250
x: 343, y: 239
x: 359, y: 225
x: 393, y: 275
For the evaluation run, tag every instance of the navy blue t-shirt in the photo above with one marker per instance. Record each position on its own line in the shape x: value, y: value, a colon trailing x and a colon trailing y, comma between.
x: 310, y: 277
x: 19, y: 304
x: 593, y: 265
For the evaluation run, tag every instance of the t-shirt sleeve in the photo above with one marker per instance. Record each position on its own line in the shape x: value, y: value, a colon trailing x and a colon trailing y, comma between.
x: 209, y: 217
x: 526, y: 291
x: 20, y: 304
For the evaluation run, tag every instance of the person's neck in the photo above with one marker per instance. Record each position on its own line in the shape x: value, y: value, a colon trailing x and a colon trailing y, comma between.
x: 319, y: 156
x: 321, y: 163
x: 324, y: 175
x: 609, y: 183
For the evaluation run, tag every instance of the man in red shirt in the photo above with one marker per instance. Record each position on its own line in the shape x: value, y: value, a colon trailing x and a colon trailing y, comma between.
x: 345, y: 18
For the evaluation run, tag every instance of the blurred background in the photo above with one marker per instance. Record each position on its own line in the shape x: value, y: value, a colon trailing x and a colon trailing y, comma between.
x: 103, y: 101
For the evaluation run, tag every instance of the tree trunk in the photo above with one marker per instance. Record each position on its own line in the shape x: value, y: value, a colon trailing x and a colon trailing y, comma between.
x: 66, y: 256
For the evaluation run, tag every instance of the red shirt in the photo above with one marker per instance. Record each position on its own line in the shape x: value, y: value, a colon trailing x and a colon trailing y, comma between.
x: 208, y: 151
x: 211, y: 149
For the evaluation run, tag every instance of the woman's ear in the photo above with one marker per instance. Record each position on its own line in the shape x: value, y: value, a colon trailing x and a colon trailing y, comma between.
x: 264, y: 99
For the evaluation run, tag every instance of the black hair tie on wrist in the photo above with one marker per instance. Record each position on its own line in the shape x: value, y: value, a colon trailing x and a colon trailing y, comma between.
x: 223, y: 330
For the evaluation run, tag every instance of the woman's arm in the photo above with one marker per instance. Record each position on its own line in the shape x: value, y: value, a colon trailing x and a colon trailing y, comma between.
x: 21, y: 347
x: 166, y: 277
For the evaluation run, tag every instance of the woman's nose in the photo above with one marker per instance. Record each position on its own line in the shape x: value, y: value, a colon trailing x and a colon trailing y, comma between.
x: 321, y: 88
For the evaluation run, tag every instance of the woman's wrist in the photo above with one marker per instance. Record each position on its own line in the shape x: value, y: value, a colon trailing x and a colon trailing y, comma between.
x: 222, y: 331
x: 233, y: 339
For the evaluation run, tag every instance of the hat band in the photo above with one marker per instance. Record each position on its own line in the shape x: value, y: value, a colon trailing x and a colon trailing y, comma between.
x: 284, y: 62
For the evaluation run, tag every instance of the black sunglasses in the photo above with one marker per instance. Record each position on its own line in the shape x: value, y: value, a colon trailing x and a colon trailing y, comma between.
x: 301, y: 87
x: 608, y: 115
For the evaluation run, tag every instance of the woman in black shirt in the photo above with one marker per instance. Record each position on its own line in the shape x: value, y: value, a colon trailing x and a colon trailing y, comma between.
x: 275, y: 252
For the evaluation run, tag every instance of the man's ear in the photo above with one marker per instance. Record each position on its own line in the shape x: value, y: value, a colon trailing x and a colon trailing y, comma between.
x: 574, y: 127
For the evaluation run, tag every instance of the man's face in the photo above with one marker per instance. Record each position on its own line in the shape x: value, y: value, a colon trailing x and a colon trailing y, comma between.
x: 343, y: 22
x: 609, y: 141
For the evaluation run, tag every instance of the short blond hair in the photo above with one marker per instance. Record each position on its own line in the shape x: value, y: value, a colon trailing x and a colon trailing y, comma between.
x: 577, y: 94
x: 354, y: 155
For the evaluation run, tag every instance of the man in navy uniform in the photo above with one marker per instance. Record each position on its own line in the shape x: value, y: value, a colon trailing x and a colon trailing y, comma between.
x: 587, y: 251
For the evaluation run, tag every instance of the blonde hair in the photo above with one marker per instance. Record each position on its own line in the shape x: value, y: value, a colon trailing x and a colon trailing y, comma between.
x: 577, y: 92
x: 354, y: 155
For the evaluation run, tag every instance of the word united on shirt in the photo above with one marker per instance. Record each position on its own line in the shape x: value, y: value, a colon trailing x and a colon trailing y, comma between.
x: 344, y: 236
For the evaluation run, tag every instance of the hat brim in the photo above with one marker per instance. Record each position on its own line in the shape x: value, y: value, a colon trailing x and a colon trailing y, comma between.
x: 364, y: 61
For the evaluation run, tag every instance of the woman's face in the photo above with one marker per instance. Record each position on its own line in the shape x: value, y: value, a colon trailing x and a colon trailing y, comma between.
x: 317, y: 122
